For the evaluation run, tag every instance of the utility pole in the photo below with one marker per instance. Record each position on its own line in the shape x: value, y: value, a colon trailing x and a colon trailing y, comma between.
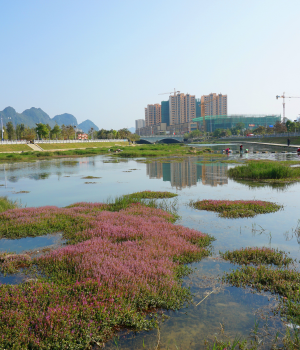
x: 2, y: 127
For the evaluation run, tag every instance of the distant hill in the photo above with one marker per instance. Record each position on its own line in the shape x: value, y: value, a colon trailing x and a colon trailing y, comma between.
x: 66, y: 119
x: 29, y: 117
x: 36, y: 115
x: 87, y: 125
x: 132, y: 130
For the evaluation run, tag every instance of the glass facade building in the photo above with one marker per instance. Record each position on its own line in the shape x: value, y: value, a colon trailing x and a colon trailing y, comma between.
x: 211, y: 123
x: 165, y: 112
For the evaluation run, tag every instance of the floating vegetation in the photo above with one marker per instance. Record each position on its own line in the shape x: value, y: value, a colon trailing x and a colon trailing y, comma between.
x: 265, y: 170
x: 151, y: 194
x: 237, y: 208
x: 118, y: 266
x: 90, y: 182
x: 21, y: 192
x: 127, y: 171
x: 70, y: 162
x: 91, y: 177
x: 257, y: 256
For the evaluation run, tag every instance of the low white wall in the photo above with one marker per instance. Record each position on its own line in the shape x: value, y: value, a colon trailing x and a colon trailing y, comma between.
x: 17, y: 142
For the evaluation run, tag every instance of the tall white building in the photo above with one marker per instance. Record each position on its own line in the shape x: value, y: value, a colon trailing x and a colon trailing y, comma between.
x: 182, y: 108
x: 139, y: 123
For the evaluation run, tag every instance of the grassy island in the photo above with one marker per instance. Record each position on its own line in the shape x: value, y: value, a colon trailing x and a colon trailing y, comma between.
x: 237, y: 208
x: 269, y: 171
x: 151, y: 195
x: 257, y: 256
x: 120, y: 262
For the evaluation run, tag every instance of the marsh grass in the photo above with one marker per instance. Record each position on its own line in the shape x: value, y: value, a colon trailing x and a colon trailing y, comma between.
x: 261, y: 170
x: 151, y: 195
x: 6, y: 204
x: 237, y: 208
x: 91, y: 177
x: 282, y: 281
x: 257, y: 256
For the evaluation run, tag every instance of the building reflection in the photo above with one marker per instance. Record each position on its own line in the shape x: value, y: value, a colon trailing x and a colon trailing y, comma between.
x: 187, y: 173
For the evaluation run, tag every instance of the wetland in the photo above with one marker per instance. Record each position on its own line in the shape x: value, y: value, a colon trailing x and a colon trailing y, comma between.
x: 172, y: 285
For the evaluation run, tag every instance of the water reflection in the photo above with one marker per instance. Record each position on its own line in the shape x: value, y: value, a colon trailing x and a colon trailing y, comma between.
x: 187, y: 173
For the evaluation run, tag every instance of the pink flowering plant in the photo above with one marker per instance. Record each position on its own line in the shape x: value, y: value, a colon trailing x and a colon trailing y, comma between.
x: 257, y: 256
x: 237, y: 208
x: 115, y: 268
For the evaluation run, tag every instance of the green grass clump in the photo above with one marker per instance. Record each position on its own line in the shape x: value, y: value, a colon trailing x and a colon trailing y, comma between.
x: 261, y: 170
x: 237, y: 208
x: 151, y: 195
x: 6, y: 204
x: 257, y: 256
x: 91, y: 177
x: 284, y: 282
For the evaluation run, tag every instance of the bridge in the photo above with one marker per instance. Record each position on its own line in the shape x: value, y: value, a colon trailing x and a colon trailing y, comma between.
x: 162, y: 139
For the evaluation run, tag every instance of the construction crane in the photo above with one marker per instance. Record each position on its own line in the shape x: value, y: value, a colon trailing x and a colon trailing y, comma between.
x: 172, y: 92
x: 283, y: 102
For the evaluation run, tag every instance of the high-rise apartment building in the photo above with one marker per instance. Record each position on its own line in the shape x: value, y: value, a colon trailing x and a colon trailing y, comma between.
x: 153, y: 114
x: 213, y: 104
x: 139, y: 123
x: 182, y: 108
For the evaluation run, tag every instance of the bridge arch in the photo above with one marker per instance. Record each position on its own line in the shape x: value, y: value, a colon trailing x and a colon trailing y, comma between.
x: 162, y: 139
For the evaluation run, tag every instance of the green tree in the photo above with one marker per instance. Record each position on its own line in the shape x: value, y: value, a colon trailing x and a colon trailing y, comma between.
x: 19, y: 131
x: 10, y: 130
x: 260, y: 130
x: 217, y: 133
x: 42, y: 130
x: 280, y: 127
x: 67, y: 132
x: 29, y: 134
x: 55, y: 131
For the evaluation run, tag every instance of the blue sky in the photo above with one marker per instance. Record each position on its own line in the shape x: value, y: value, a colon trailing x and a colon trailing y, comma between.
x: 106, y: 60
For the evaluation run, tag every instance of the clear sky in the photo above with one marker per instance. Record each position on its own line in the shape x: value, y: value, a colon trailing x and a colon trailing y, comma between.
x: 106, y: 60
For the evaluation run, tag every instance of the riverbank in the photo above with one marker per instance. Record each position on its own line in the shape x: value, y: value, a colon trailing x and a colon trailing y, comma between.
x: 117, y: 150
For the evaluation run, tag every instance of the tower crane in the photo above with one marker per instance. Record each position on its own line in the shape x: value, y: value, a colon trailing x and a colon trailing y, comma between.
x: 283, y: 102
x: 172, y: 92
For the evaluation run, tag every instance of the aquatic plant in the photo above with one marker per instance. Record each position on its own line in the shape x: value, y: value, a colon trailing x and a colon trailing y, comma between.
x: 237, y: 208
x: 6, y: 204
x: 285, y: 282
x: 117, y: 266
x: 151, y: 194
x: 257, y: 256
x: 260, y: 170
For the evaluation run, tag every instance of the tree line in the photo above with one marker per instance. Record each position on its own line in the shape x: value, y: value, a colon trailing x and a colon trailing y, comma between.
x: 64, y: 132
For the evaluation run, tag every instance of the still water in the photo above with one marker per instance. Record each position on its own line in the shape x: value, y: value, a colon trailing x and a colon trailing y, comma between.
x: 227, y: 311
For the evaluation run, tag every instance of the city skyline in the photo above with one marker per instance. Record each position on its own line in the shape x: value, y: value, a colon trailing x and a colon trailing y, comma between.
x: 78, y: 58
